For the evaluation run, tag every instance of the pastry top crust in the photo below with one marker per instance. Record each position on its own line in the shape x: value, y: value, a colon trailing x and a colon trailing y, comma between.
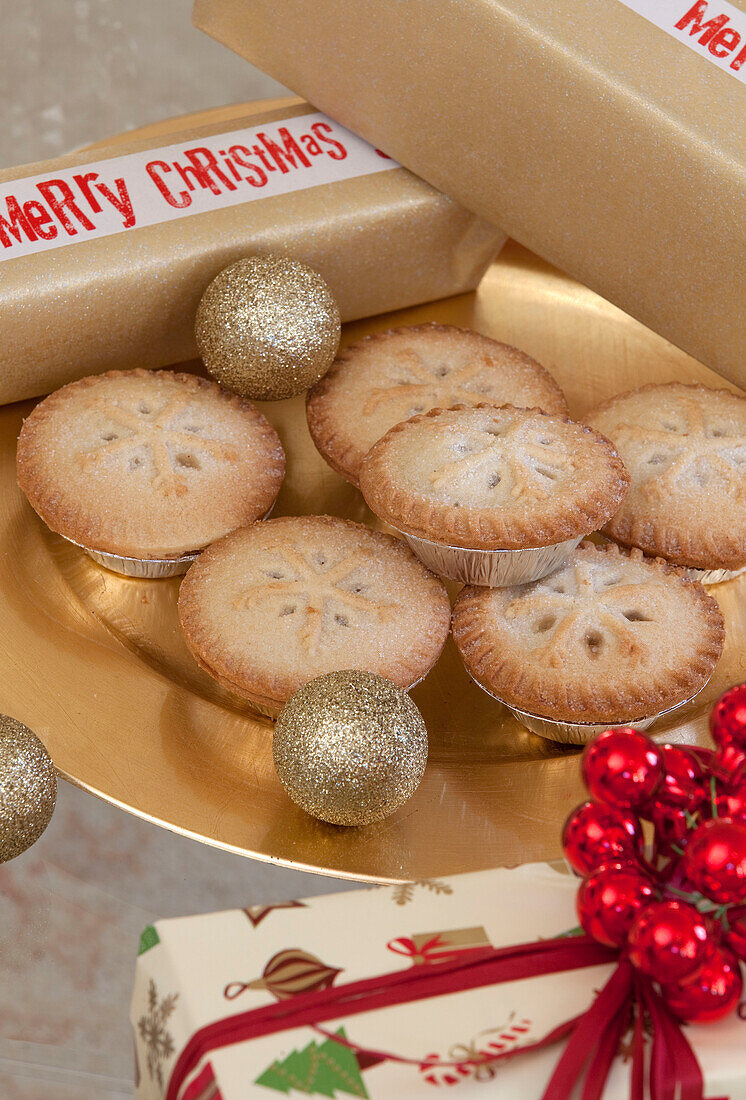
x: 148, y: 464
x: 685, y: 449
x: 391, y: 376
x: 273, y: 605
x: 491, y: 478
x: 611, y: 636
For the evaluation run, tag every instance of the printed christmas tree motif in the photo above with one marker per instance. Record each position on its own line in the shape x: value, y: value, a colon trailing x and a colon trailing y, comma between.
x: 158, y: 1040
x: 586, y: 603
x: 428, y: 387
x: 287, y: 974
x: 170, y: 448
x: 477, y: 1059
x: 513, y: 466
x: 404, y: 892
x: 324, y: 593
x: 685, y: 445
x: 318, y: 1070
x: 257, y: 913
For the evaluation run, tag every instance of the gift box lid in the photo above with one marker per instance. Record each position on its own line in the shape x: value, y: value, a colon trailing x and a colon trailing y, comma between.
x: 200, y: 982
x: 608, y: 137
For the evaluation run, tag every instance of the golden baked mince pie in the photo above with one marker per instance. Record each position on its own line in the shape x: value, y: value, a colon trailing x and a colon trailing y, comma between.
x: 392, y: 376
x: 270, y: 607
x: 611, y: 637
x: 148, y: 464
x: 685, y: 448
x: 493, y: 479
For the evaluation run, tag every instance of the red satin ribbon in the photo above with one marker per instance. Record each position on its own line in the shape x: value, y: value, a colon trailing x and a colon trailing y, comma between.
x: 594, y: 1036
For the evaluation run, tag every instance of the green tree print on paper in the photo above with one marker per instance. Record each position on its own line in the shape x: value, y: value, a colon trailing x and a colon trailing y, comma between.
x: 317, y: 1070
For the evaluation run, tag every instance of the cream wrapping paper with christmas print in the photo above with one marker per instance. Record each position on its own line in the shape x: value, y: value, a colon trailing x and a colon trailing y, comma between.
x: 105, y: 254
x: 194, y: 972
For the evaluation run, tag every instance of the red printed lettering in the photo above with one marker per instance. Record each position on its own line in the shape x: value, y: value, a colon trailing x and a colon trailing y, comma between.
x: 62, y: 203
x: 286, y: 154
x: 257, y: 177
x: 120, y: 200
x: 311, y: 145
x: 724, y: 42
x: 206, y: 166
x: 83, y: 180
x: 40, y: 219
x: 694, y: 16
x: 154, y: 168
x: 258, y: 151
x: 14, y: 224
x: 737, y: 62
x: 322, y: 131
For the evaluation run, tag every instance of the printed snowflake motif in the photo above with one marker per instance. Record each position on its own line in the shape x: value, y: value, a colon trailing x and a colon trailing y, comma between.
x: 404, y: 892
x: 692, y: 449
x: 588, y: 603
x: 427, y: 388
x: 158, y: 1040
x: 172, y: 447
x: 324, y: 593
x: 531, y: 466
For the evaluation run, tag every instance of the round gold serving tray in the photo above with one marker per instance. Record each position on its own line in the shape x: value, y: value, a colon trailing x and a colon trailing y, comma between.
x: 95, y: 662
x: 96, y: 665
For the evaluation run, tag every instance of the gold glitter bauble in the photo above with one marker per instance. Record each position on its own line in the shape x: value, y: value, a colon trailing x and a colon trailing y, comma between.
x: 28, y: 788
x: 350, y: 747
x: 268, y: 327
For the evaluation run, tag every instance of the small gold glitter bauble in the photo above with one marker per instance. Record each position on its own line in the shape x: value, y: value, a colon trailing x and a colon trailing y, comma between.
x: 350, y: 747
x: 28, y: 788
x: 268, y: 327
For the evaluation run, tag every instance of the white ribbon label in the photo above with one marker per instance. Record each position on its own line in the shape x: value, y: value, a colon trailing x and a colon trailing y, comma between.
x: 192, y: 177
x: 712, y: 28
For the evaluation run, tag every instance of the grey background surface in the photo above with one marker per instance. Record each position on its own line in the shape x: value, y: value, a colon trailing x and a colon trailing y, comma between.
x: 72, y: 71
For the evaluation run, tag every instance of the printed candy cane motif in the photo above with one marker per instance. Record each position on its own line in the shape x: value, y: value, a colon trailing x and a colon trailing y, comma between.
x: 463, y: 1058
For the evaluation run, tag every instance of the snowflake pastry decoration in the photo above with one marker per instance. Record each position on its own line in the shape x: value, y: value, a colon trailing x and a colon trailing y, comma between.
x: 170, y: 438
x: 590, y: 603
x: 325, y: 594
x: 426, y: 387
x: 689, y: 448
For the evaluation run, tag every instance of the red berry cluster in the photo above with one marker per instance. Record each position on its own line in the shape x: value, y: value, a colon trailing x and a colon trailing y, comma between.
x: 680, y: 916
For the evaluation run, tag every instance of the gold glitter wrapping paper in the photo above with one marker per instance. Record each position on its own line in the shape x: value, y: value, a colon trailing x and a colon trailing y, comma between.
x: 350, y: 747
x: 28, y: 788
x: 592, y: 136
x: 268, y: 327
x: 381, y: 241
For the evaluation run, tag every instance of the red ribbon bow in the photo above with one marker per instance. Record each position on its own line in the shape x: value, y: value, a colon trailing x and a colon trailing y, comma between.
x: 594, y: 1035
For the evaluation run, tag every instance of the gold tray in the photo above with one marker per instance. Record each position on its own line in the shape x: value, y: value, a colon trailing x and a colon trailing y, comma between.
x: 95, y: 662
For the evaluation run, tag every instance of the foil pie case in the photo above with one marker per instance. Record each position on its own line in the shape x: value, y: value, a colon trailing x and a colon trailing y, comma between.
x: 581, y: 733
x: 490, y: 568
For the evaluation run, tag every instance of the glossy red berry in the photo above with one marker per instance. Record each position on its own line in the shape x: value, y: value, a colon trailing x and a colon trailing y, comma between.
x: 671, y: 830
x: 713, y: 992
x: 596, y: 833
x: 729, y: 763
x: 609, y: 901
x: 736, y: 934
x: 622, y: 767
x: 683, y: 784
x: 730, y: 802
x: 715, y: 860
x: 728, y: 717
x: 669, y: 941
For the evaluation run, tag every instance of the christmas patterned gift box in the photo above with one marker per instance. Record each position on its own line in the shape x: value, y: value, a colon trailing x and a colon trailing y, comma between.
x: 203, y: 983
